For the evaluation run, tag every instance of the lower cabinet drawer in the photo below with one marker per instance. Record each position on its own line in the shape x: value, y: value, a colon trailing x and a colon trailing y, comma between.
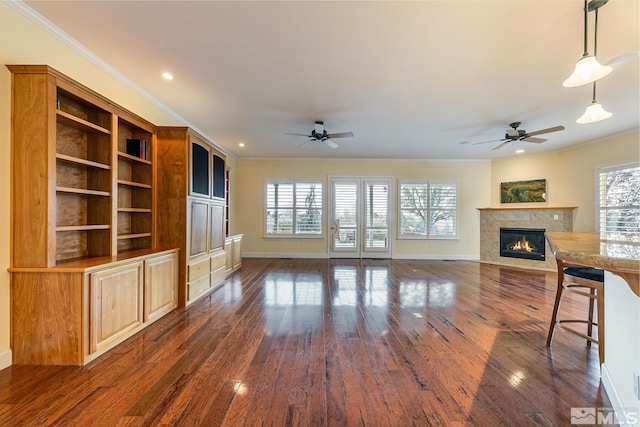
x: 218, y: 276
x: 198, y: 269
x: 218, y: 260
x: 198, y: 287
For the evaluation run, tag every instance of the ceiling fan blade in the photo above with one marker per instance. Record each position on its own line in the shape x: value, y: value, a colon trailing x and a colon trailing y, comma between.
x: 306, y: 143
x: 330, y: 143
x: 500, y: 146
x: 341, y: 135
x: 486, y: 142
x: 298, y: 134
x: 623, y: 59
x: 549, y: 130
x: 532, y: 139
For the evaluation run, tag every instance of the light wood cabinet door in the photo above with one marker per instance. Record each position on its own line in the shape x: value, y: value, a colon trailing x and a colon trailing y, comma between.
x: 160, y: 286
x: 228, y: 250
x: 198, y: 222
x: 237, y: 252
x: 116, y: 307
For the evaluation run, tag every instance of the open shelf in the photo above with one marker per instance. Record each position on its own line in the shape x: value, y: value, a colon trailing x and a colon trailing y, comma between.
x: 79, y: 161
x: 133, y: 158
x: 83, y: 227
x: 79, y: 123
x: 133, y: 236
x: 133, y: 184
x: 83, y: 191
x: 134, y: 210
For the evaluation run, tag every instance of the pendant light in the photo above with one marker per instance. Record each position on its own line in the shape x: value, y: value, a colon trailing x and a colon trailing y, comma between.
x: 594, y: 112
x: 588, y: 69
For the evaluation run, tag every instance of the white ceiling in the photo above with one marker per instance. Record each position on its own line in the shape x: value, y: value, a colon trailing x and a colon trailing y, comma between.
x: 410, y: 79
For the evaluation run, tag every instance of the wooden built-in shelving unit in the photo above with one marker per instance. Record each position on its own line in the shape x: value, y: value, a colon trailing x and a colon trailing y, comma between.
x: 82, y: 205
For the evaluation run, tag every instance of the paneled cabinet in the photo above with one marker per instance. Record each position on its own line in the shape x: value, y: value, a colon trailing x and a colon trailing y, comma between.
x: 85, y: 270
x: 233, y: 251
x: 191, y: 185
x: 71, y: 314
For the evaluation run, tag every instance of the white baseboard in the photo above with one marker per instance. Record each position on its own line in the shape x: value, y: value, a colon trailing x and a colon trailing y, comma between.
x: 5, y: 359
x: 283, y: 255
x: 325, y: 256
x: 614, y: 397
x: 427, y: 257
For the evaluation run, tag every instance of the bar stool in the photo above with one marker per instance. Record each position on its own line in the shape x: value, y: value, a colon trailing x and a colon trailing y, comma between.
x: 587, y: 282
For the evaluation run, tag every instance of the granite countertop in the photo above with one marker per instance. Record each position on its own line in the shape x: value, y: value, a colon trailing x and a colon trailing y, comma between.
x: 590, y: 249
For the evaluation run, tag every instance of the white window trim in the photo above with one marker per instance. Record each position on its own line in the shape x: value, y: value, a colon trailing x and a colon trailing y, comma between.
x: 427, y: 236
x: 605, y: 169
x: 294, y: 235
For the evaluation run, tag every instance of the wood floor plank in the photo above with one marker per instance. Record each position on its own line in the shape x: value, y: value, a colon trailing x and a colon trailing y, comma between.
x: 333, y: 343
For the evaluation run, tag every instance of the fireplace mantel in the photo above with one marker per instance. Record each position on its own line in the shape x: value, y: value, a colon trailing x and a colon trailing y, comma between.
x: 548, y: 217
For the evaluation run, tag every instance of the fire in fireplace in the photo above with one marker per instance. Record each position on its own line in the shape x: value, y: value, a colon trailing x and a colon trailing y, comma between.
x: 527, y: 243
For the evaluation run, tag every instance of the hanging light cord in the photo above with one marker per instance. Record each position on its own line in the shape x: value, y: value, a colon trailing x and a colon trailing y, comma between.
x: 586, y: 53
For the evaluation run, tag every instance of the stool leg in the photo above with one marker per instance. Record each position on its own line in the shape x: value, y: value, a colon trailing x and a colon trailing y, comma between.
x: 554, y: 316
x: 600, y: 305
x: 592, y: 292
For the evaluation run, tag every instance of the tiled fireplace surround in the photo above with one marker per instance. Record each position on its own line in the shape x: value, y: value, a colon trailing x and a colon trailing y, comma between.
x: 491, y: 219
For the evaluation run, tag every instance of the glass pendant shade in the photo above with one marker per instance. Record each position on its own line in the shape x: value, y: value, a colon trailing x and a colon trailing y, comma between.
x: 594, y: 113
x: 587, y: 70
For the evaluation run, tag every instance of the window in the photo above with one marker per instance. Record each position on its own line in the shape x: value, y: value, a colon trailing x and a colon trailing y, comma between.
x: 618, y: 200
x: 293, y: 208
x: 428, y: 209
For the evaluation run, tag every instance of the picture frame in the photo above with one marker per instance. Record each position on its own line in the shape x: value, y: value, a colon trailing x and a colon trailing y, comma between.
x: 530, y: 191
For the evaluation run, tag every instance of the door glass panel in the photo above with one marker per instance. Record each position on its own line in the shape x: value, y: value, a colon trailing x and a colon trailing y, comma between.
x: 377, y: 216
x: 345, y: 215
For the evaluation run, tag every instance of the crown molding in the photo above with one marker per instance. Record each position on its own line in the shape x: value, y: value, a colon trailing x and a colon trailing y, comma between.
x: 26, y: 11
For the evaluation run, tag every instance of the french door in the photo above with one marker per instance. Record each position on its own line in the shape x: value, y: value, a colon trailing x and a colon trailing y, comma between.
x: 360, y: 217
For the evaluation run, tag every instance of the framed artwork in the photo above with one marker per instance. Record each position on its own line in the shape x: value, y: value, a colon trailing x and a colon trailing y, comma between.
x: 523, y: 191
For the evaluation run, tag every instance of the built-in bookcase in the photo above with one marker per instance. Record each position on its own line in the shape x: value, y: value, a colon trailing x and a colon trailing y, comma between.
x: 83, y: 178
x: 102, y: 200
x: 134, y: 187
x: 85, y: 271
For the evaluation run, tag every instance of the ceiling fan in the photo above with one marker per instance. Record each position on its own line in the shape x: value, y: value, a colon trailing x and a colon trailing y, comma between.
x: 516, y: 134
x: 319, y: 133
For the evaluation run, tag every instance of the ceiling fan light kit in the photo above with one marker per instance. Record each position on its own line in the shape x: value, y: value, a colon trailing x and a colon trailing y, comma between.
x: 319, y: 133
x: 514, y: 134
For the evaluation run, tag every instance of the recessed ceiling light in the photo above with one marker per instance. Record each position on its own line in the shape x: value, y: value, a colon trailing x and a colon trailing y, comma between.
x: 519, y: 151
x: 241, y: 144
x: 167, y: 76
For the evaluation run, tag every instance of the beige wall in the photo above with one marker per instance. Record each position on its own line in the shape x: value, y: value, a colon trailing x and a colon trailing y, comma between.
x: 473, y: 180
x: 570, y: 175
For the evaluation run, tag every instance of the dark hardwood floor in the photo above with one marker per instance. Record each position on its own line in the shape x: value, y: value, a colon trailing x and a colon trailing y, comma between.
x: 332, y: 342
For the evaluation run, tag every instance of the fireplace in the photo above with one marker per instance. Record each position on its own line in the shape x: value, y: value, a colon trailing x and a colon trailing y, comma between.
x: 527, y: 243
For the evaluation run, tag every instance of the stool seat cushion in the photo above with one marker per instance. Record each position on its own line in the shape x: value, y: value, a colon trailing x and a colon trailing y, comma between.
x: 589, y: 273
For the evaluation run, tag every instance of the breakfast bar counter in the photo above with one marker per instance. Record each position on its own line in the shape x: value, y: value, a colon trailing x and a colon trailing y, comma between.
x: 621, y: 258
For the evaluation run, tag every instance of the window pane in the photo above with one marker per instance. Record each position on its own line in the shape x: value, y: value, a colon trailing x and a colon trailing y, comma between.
x: 442, y: 196
x: 412, y: 222
x: 619, y: 202
x: 280, y: 221
x: 309, y: 221
x: 293, y: 208
x: 413, y: 209
x: 442, y: 223
x: 280, y: 195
